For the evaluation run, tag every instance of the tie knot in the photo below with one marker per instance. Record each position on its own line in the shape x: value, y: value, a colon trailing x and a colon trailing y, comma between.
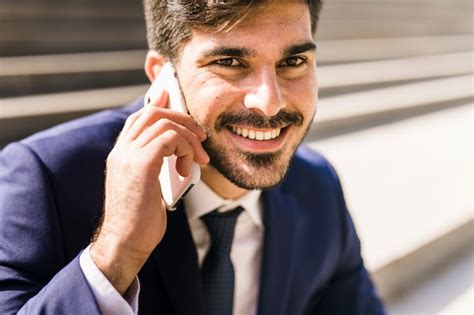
x: 220, y: 226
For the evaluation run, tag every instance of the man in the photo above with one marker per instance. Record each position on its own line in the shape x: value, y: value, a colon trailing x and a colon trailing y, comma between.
x: 248, y: 74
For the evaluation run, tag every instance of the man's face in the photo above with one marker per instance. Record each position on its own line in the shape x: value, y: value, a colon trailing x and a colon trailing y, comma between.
x: 254, y: 90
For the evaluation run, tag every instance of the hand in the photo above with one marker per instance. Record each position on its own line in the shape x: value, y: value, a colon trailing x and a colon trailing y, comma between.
x: 135, y: 215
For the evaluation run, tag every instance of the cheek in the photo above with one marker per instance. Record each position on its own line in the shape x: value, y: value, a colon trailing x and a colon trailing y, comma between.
x: 209, y: 99
x: 303, y: 97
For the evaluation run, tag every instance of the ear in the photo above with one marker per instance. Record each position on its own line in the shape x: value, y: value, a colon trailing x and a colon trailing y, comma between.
x: 153, y: 63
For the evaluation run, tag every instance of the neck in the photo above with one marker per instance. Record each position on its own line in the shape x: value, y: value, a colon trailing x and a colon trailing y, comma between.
x: 221, y: 185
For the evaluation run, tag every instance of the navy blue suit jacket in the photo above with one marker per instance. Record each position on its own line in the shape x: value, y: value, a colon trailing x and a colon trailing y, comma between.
x: 51, y: 198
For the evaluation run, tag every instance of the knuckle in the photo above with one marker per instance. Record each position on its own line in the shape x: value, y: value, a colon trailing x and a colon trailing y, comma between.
x: 153, y: 110
x: 195, y: 138
x: 171, y: 135
x: 164, y: 123
x: 167, y: 147
x: 132, y: 117
x: 168, y: 142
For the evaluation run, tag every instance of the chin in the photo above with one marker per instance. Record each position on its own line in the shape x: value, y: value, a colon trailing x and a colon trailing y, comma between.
x: 261, y: 181
x: 252, y: 171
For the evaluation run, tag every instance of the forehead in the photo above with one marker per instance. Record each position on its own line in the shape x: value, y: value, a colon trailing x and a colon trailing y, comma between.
x: 271, y: 27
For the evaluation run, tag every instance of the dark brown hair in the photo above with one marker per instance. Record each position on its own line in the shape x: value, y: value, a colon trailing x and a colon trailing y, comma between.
x: 170, y: 22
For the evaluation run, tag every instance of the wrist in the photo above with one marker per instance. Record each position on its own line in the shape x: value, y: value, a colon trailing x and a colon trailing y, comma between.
x: 118, y: 265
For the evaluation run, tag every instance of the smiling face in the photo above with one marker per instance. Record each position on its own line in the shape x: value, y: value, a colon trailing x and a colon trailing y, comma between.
x: 253, y: 88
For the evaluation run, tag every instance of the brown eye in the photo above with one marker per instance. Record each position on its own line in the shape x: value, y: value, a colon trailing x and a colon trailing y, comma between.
x: 228, y: 62
x: 293, y: 61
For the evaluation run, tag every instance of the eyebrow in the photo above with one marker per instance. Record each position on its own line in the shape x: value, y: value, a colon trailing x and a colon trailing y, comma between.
x: 229, y: 51
x: 299, y: 48
x: 246, y: 52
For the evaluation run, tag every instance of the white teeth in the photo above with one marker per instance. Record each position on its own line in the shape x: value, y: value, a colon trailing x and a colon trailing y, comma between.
x: 251, y: 134
x: 267, y: 135
x: 257, y: 135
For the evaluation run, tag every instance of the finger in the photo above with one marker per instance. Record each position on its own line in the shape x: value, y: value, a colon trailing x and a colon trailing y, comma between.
x: 153, y: 114
x: 131, y: 120
x: 148, y: 117
x: 186, y: 120
x: 160, y: 102
x: 162, y: 126
x: 171, y: 143
x: 183, y: 165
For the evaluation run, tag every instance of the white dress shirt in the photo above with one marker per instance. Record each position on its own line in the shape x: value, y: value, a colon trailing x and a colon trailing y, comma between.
x: 246, y: 253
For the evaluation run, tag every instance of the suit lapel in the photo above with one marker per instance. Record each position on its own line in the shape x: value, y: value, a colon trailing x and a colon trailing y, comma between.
x: 277, y: 253
x: 177, y: 261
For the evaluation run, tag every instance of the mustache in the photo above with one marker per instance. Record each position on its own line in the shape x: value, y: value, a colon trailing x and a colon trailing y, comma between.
x: 252, y: 119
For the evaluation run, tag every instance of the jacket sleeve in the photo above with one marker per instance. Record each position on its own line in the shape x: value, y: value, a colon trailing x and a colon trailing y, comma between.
x: 350, y: 290
x: 35, y: 274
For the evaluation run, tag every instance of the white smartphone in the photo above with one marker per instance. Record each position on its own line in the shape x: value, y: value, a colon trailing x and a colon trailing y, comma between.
x: 173, y: 186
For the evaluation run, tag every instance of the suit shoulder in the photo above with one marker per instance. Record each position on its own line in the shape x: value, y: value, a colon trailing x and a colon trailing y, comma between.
x: 309, y: 173
x: 307, y: 155
x: 93, y: 134
x: 308, y: 163
x: 82, y: 131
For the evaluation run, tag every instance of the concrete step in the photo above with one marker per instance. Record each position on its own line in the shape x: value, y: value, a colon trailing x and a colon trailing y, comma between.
x: 73, y: 63
x: 82, y: 31
x: 13, y: 86
x: 57, y: 73
x: 16, y: 46
x: 42, y: 11
x: 448, y: 290
x: 368, y: 49
x: 343, y: 29
x: 398, y: 278
x: 79, y: 101
x: 386, y: 100
x: 349, y: 77
x: 408, y: 185
x: 397, y: 12
x: 355, y: 19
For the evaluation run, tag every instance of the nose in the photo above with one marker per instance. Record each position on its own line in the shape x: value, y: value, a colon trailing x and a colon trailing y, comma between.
x: 265, y: 94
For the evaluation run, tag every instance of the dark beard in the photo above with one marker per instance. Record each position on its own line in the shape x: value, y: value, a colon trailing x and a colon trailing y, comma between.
x: 229, y: 170
x: 268, y: 162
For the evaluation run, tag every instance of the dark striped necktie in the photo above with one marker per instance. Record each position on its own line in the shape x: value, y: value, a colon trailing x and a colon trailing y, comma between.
x: 217, y: 271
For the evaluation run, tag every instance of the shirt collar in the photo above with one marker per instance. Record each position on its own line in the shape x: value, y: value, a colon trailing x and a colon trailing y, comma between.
x: 202, y: 200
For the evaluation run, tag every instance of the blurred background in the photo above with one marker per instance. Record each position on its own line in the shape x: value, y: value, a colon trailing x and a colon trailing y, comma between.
x: 395, y: 118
